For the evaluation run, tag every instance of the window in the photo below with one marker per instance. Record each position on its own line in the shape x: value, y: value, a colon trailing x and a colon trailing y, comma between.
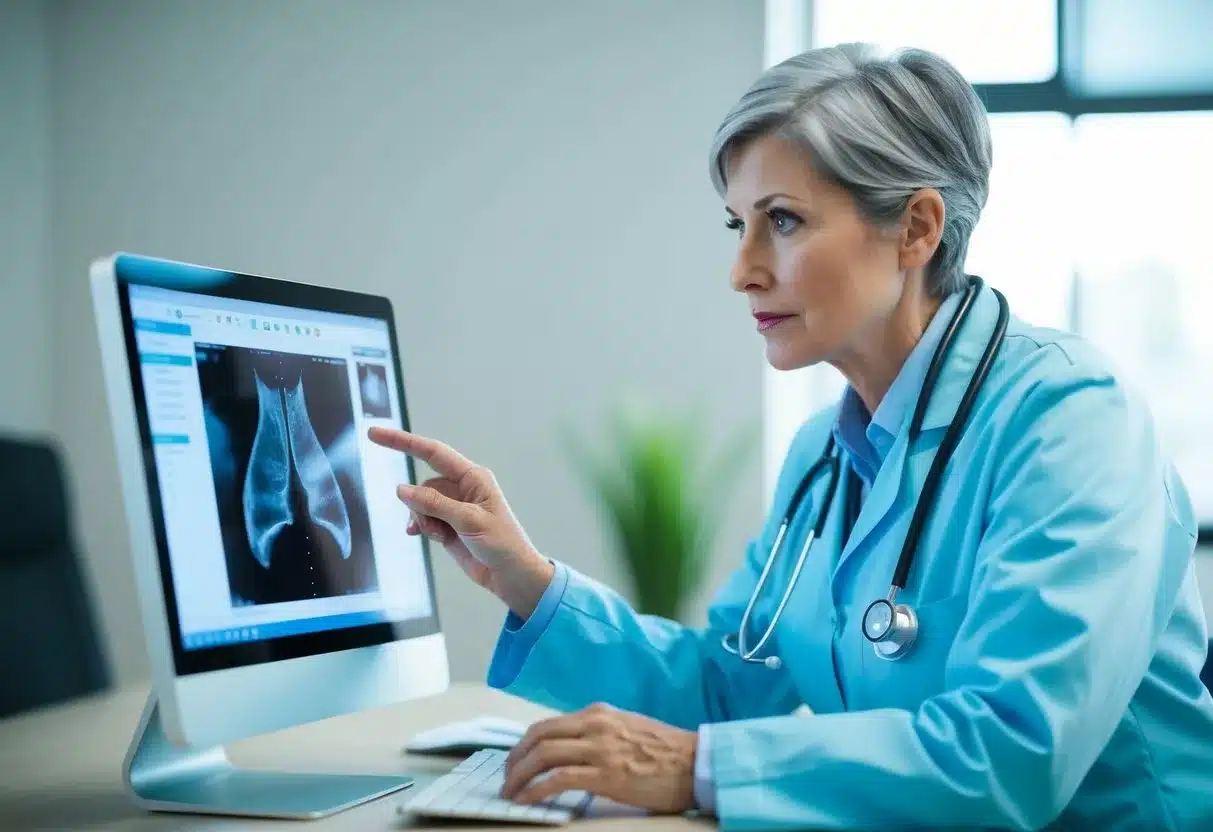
x: 1022, y: 243
x: 1098, y: 209
x: 1141, y: 48
x: 990, y: 42
x: 1144, y: 280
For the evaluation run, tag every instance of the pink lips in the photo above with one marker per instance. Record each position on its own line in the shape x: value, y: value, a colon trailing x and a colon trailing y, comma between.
x: 765, y: 322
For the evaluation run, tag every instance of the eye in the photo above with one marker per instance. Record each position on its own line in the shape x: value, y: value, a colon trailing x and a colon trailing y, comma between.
x: 784, y: 222
x: 735, y: 224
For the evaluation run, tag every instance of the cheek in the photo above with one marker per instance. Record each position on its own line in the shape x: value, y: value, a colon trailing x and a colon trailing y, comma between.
x: 820, y: 282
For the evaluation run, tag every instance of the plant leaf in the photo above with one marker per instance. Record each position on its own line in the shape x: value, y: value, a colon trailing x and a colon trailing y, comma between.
x: 663, y: 502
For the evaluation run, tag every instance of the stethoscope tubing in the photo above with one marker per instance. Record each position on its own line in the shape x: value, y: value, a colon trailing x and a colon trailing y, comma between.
x: 890, y: 643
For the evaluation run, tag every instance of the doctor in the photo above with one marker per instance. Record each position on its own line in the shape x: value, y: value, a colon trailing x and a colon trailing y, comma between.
x: 996, y: 624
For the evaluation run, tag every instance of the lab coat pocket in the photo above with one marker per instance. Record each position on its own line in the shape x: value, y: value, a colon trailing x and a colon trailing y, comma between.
x: 906, y: 682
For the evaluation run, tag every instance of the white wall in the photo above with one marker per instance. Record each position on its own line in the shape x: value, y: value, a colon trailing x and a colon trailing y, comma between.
x: 526, y: 180
x: 25, y: 381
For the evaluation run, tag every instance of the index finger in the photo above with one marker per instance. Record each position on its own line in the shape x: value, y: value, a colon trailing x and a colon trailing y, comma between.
x: 442, y: 458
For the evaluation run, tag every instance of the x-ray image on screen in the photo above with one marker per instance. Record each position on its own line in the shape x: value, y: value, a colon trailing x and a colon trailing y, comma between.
x: 288, y: 477
x: 372, y: 386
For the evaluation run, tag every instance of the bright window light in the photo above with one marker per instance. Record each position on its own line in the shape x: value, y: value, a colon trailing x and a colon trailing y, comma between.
x: 1023, y: 243
x: 1141, y: 238
x: 989, y: 41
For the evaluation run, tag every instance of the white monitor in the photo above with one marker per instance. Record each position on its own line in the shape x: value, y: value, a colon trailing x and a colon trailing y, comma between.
x: 276, y: 582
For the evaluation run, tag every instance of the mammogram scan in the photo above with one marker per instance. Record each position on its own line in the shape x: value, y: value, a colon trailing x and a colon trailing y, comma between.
x: 372, y: 387
x: 288, y: 477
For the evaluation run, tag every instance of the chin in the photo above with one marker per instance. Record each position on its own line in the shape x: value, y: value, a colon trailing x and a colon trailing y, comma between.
x: 782, y: 358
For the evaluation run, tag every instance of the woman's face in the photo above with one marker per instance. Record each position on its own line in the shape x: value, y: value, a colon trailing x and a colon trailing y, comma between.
x: 818, y: 275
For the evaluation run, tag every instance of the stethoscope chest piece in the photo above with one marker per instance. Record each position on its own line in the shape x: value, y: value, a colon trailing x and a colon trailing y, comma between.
x: 891, y: 628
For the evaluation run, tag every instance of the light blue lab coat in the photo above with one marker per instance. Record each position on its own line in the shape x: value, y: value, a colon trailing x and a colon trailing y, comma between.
x: 1054, y: 682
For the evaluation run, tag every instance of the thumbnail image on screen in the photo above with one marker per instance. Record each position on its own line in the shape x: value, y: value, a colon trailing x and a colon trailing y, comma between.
x: 288, y: 478
x: 372, y: 387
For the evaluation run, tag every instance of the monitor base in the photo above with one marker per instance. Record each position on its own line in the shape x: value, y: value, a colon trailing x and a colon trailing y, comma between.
x: 164, y: 777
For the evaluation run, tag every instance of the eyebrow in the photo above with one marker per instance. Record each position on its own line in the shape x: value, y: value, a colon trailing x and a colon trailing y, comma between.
x: 764, y: 202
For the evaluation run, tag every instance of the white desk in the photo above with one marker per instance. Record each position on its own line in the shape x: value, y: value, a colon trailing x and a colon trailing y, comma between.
x: 60, y: 768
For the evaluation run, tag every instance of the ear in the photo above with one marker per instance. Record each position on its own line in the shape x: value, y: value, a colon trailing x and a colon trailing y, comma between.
x: 922, y: 228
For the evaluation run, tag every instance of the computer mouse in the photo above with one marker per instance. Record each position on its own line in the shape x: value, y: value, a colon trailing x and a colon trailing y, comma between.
x: 501, y: 725
x: 467, y: 736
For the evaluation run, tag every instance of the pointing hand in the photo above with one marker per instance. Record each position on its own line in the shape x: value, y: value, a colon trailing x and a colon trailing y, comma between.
x: 463, y: 508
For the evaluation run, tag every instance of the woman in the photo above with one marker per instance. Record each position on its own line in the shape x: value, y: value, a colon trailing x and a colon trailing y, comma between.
x: 1053, y: 681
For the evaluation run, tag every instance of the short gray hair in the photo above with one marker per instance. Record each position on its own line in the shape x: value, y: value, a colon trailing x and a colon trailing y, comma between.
x: 880, y: 127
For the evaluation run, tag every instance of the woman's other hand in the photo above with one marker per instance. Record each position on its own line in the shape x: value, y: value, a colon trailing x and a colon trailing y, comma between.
x: 463, y: 508
x: 616, y: 754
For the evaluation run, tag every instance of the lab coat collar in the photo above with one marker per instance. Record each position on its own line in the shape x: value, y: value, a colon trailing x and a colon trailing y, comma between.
x: 899, y: 403
x: 963, y: 357
x: 867, y: 439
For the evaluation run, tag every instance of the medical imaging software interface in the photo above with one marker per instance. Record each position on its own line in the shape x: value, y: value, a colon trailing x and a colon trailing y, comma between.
x: 281, y: 516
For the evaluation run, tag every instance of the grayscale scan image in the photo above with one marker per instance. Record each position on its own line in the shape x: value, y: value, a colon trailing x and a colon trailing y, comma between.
x: 288, y: 479
x: 372, y: 387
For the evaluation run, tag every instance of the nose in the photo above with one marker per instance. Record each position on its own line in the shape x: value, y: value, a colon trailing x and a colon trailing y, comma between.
x: 751, y: 270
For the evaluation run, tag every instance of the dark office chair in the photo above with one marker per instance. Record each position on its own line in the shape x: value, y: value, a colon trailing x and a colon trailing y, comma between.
x: 49, y: 649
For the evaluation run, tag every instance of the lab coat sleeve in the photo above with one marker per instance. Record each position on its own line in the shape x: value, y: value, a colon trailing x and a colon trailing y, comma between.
x: 595, y: 648
x: 1071, y: 591
x: 519, y: 635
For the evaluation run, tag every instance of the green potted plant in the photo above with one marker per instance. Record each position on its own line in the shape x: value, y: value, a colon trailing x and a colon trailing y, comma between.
x: 663, y: 495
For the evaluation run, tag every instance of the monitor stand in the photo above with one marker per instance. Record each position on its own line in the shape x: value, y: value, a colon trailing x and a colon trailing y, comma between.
x: 165, y: 777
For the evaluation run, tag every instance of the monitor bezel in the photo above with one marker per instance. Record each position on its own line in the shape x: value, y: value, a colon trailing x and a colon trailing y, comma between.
x: 136, y: 270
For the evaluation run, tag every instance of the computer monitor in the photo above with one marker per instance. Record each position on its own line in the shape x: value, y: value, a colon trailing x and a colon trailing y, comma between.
x: 276, y: 582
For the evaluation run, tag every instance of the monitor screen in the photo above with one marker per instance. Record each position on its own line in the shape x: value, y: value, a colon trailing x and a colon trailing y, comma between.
x: 280, y: 531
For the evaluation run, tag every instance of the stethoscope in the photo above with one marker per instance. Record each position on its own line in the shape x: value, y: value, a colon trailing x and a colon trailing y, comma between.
x: 891, y: 627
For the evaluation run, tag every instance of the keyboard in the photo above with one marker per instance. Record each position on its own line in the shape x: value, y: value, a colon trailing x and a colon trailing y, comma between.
x: 471, y: 789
